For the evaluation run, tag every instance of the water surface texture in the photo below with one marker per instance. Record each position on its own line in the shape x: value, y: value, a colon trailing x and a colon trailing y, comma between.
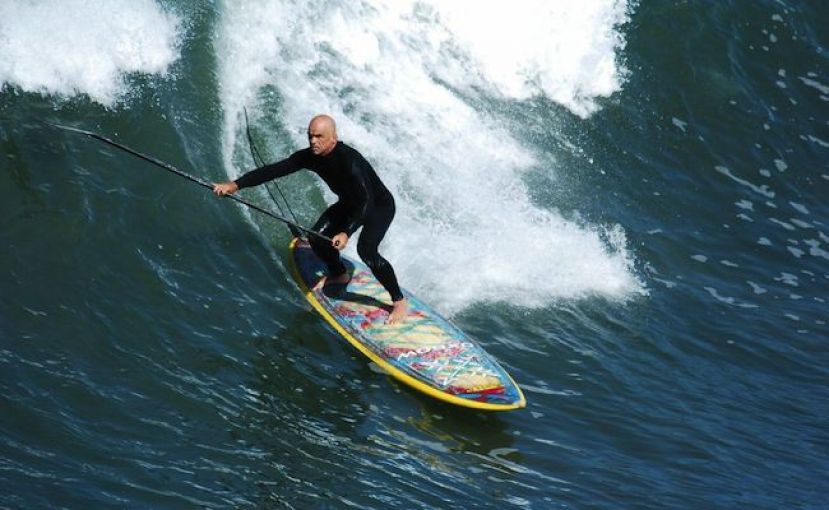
x: 624, y: 202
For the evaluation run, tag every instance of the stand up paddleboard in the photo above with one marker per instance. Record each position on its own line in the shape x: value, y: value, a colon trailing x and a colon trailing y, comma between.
x: 425, y: 351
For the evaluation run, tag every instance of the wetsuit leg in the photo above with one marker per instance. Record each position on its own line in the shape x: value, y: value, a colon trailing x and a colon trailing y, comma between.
x: 374, y: 229
x: 331, y: 222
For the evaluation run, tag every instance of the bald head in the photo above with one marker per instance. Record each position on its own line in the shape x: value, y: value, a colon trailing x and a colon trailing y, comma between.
x: 322, y: 135
x: 324, y: 122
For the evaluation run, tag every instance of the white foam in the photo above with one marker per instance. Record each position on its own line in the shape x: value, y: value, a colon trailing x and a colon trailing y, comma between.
x: 566, y: 50
x: 466, y: 229
x: 71, y: 47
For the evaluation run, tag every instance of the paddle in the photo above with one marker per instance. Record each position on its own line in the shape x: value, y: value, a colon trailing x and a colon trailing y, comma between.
x: 172, y: 169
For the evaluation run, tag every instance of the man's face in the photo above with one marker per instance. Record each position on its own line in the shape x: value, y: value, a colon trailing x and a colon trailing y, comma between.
x: 321, y: 137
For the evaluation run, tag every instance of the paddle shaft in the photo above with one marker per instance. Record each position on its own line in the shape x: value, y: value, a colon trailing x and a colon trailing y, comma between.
x: 172, y: 169
x: 258, y: 161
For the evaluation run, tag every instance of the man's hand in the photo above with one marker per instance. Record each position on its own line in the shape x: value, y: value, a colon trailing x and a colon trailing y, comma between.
x: 339, y: 241
x: 225, y: 188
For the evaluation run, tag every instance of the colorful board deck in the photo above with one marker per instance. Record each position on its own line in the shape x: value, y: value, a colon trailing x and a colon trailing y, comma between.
x: 425, y: 351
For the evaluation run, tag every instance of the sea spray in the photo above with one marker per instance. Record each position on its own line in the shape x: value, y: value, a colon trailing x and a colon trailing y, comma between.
x: 73, y: 47
x: 397, y: 77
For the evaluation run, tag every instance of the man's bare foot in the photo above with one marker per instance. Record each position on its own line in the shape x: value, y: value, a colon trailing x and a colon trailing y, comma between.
x: 398, y: 312
x: 342, y: 279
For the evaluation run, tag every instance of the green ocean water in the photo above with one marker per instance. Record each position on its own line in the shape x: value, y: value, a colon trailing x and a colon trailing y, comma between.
x: 625, y: 203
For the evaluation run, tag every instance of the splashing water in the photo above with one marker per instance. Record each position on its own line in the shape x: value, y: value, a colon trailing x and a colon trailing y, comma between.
x: 395, y: 75
x: 402, y: 79
x: 74, y: 47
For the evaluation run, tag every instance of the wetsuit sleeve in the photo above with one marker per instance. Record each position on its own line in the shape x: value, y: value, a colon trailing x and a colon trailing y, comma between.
x: 363, y: 196
x: 267, y: 173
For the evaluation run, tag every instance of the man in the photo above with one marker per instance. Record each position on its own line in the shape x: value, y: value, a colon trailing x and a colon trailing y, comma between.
x: 363, y: 200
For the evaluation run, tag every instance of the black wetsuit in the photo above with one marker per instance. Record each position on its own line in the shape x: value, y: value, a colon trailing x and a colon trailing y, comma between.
x: 363, y: 200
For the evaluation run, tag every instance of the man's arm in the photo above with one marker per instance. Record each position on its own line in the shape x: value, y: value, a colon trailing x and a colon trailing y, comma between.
x: 363, y: 194
x: 260, y: 175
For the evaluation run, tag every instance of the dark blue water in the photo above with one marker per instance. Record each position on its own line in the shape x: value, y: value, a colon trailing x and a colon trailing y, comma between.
x: 624, y: 203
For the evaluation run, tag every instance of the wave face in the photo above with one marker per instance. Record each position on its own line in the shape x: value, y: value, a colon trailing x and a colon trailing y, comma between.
x: 405, y: 81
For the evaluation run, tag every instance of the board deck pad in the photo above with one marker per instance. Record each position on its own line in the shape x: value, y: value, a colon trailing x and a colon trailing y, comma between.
x: 425, y: 351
